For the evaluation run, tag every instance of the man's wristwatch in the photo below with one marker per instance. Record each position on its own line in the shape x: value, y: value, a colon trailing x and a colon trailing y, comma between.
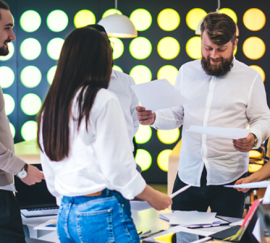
x: 255, y: 140
x: 23, y: 173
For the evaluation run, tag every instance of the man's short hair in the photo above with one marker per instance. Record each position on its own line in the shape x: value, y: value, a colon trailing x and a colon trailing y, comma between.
x: 3, y: 5
x: 219, y: 27
x: 98, y: 27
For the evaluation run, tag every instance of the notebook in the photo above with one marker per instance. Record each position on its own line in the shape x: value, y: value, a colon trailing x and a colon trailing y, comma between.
x: 36, y: 200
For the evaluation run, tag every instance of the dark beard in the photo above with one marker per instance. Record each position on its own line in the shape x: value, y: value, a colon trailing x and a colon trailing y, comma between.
x: 4, y: 51
x: 218, y: 70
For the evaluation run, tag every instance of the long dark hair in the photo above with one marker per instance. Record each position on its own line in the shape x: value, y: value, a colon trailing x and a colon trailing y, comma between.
x: 85, y: 64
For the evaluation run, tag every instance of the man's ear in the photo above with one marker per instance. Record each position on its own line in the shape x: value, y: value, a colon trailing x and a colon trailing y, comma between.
x: 235, y: 43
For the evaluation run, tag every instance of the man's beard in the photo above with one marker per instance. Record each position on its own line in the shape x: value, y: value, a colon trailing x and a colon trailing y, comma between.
x: 4, y: 51
x: 218, y: 70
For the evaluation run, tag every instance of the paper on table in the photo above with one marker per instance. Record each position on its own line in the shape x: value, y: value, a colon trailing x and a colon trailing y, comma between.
x: 158, y: 94
x: 223, y: 132
x: 139, y: 205
x: 260, y: 184
x: 48, y: 225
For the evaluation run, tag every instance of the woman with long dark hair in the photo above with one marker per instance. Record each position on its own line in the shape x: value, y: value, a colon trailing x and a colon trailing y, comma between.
x: 85, y: 150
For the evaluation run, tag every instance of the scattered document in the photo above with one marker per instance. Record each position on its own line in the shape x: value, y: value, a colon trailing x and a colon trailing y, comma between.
x: 48, y: 225
x: 179, y: 191
x: 158, y: 94
x: 223, y: 132
x: 260, y: 184
x: 139, y: 205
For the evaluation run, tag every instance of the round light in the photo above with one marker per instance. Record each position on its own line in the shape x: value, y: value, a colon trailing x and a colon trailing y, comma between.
x: 54, y: 48
x: 168, y: 48
x: 29, y: 130
x: 143, y: 159
x: 31, y: 76
x: 194, y: 17
x: 230, y: 13
x: 30, y: 49
x: 168, y: 136
x: 57, y: 20
x: 163, y: 159
x: 141, y: 18
x: 111, y: 12
x: 254, y: 19
x: 83, y: 18
x: 254, y: 48
x: 50, y: 74
x: 168, y: 19
x: 117, y: 68
x: 30, y: 21
x: 6, y: 77
x: 143, y: 135
x: 10, y: 54
x: 31, y: 104
x: 12, y: 130
x: 140, y: 48
x: 194, y: 47
x: 168, y: 72
x: 259, y: 70
x: 9, y: 104
x: 141, y: 74
x: 118, y: 47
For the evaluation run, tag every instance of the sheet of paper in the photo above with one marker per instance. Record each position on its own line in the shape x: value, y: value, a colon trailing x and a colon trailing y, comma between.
x: 48, y: 225
x: 139, y: 205
x: 260, y: 184
x: 179, y: 191
x: 223, y: 132
x: 158, y: 94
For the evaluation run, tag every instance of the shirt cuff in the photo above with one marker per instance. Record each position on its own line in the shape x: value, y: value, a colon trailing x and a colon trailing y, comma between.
x: 155, y: 124
x: 259, y: 137
x: 15, y: 165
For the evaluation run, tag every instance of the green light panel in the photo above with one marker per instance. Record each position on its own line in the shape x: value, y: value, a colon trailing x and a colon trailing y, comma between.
x: 11, y: 52
x: 118, y: 47
x: 168, y: 48
x: 117, y: 68
x: 168, y: 19
x: 163, y: 159
x: 141, y: 74
x: 84, y: 17
x: 141, y: 19
x: 168, y: 72
x: 140, y: 48
x: 50, y: 74
x: 9, y: 104
x: 12, y: 130
x: 30, y: 21
x: 6, y: 77
x: 29, y: 130
x: 143, y: 159
x: 54, y: 48
x: 30, y: 49
x: 31, y: 104
x: 57, y: 20
x: 143, y: 135
x: 111, y: 12
x: 31, y: 76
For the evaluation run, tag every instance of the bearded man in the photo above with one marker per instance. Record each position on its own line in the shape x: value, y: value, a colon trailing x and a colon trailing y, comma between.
x: 223, y: 92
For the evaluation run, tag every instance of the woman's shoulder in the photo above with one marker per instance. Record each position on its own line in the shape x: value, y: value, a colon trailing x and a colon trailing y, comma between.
x: 104, y: 96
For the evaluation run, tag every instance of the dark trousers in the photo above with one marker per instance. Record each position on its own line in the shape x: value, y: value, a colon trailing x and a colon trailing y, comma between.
x: 224, y: 201
x: 11, y: 229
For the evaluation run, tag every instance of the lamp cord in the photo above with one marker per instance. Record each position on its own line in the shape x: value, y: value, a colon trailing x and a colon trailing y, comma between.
x: 115, y: 4
x: 218, y: 5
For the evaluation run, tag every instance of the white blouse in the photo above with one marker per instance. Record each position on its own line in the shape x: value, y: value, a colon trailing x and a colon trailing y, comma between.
x: 98, y: 158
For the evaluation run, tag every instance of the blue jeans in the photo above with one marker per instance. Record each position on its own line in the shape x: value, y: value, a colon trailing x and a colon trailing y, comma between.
x: 103, y: 219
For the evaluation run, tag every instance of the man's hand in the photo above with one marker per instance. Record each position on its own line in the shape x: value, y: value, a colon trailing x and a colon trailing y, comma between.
x: 34, y: 175
x: 244, y: 144
x: 145, y: 117
x: 243, y: 181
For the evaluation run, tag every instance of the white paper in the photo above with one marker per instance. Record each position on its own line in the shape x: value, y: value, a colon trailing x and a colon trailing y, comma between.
x: 223, y: 132
x: 139, y: 205
x: 260, y: 184
x: 179, y: 191
x: 44, y: 226
x: 158, y: 94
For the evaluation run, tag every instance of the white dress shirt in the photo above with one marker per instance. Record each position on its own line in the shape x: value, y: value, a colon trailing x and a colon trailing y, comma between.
x: 234, y: 100
x: 120, y: 84
x: 98, y: 158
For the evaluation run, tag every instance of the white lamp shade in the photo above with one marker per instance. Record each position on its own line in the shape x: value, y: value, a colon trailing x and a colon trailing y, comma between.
x: 118, y: 26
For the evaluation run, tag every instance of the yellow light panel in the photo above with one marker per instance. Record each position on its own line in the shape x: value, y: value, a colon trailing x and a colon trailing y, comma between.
x: 6, y: 77
x: 254, y: 19
x: 254, y: 48
x: 194, y: 47
x: 168, y: 136
x: 9, y: 104
x: 163, y: 159
x: 143, y: 159
x: 141, y: 74
x: 29, y: 130
x: 168, y: 48
x: 168, y: 19
x: 230, y: 13
x: 111, y: 12
x: 194, y: 17
x: 168, y: 72
x: 143, y: 135
x: 117, y: 68
x: 84, y: 17
x: 259, y: 70
x: 141, y: 19
x: 140, y: 48
x: 118, y: 47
